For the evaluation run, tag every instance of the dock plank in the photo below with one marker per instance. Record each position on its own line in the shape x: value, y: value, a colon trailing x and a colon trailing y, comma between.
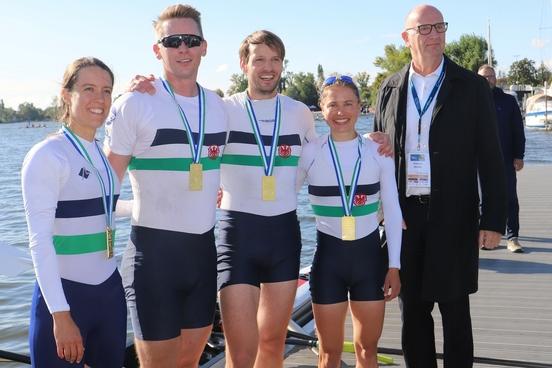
x: 512, y: 311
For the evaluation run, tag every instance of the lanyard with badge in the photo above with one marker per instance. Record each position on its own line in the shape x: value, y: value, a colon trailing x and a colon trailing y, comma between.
x: 107, y: 200
x: 348, y: 231
x: 195, y: 182
x: 269, y: 180
x: 418, y: 166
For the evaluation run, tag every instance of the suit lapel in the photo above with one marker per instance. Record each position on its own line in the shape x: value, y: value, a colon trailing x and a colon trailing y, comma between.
x: 445, y: 89
x: 401, y: 105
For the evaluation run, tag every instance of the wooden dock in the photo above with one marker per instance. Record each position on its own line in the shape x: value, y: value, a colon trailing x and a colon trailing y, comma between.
x: 512, y: 311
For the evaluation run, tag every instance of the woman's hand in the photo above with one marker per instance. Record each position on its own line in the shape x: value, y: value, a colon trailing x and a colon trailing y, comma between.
x: 68, y: 338
x: 392, y: 284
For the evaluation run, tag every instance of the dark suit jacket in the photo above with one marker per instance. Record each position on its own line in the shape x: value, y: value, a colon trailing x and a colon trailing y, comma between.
x: 510, y: 127
x: 463, y: 142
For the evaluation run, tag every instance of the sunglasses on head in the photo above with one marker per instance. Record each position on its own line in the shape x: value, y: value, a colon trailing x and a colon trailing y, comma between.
x: 343, y: 78
x: 174, y: 41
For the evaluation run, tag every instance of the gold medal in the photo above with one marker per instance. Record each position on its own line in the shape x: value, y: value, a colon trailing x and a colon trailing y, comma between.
x: 269, y: 188
x: 109, y: 240
x: 196, y: 177
x: 348, y: 228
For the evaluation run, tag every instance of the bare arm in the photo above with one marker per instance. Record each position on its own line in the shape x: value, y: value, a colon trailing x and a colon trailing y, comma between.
x: 119, y: 163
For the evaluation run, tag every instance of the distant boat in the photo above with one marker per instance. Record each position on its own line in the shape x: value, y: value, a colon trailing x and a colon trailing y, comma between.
x: 538, y: 111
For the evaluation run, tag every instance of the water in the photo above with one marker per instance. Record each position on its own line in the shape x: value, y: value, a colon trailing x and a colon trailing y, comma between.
x: 16, y: 292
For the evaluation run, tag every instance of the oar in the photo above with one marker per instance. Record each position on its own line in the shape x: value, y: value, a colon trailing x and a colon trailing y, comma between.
x: 13, y: 261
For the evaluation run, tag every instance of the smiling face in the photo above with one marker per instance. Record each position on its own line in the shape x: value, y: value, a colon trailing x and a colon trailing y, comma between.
x: 88, y: 101
x: 263, y: 69
x: 180, y: 63
x: 425, y: 49
x: 340, y: 108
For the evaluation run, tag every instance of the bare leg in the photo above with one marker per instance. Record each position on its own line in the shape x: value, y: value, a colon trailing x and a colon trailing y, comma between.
x: 367, y: 326
x: 330, y: 325
x: 239, y: 304
x: 192, y: 343
x: 276, y: 303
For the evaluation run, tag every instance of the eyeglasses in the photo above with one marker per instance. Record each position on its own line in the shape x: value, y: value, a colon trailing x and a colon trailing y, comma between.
x: 174, y: 41
x: 343, y: 78
x: 425, y: 29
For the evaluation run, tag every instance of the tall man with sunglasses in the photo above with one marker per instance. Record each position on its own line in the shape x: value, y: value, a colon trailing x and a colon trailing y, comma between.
x: 441, y: 120
x: 171, y: 143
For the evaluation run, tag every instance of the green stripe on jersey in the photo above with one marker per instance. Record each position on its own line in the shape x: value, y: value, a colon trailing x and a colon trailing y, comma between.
x: 247, y: 160
x: 171, y: 164
x: 337, y: 211
x: 80, y: 244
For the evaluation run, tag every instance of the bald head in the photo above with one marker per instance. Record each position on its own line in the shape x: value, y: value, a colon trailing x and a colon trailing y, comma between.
x: 426, y: 48
x: 421, y: 11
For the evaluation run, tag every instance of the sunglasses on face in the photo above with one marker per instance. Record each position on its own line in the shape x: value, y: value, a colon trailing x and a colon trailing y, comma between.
x: 425, y: 29
x: 343, y: 78
x: 174, y: 41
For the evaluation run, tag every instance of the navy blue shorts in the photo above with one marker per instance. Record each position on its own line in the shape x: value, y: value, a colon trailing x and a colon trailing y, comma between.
x: 256, y: 249
x: 347, y: 269
x: 100, y: 313
x: 170, y: 280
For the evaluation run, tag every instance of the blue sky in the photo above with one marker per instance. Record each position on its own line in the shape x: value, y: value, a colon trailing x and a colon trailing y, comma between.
x: 39, y: 38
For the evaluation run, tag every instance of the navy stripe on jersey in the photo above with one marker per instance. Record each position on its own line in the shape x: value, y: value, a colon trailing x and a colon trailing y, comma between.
x: 249, y: 138
x: 333, y: 190
x: 82, y: 207
x: 179, y: 136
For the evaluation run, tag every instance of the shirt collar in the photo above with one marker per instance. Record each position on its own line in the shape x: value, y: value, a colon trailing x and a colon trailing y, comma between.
x: 433, y: 74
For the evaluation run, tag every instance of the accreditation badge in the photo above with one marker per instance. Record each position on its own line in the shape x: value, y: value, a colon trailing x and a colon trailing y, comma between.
x: 196, y: 177
x: 269, y: 188
x: 418, y: 172
x: 109, y: 242
x: 348, y: 228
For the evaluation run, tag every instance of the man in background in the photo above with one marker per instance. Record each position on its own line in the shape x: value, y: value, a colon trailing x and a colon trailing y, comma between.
x: 512, y: 140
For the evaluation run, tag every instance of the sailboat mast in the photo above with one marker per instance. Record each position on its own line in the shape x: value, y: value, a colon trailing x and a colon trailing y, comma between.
x: 489, y: 49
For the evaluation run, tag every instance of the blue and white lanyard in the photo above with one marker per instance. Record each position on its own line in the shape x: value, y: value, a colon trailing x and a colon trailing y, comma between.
x: 346, y: 200
x: 107, y: 200
x: 268, y: 159
x: 432, y: 95
x: 195, y: 147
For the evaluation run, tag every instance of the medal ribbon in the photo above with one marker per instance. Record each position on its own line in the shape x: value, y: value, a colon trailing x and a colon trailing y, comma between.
x: 346, y: 200
x: 430, y: 98
x: 195, y: 147
x: 268, y: 159
x: 107, y: 200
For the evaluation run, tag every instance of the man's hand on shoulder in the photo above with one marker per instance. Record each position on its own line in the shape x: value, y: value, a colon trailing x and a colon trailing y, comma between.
x: 142, y: 84
x: 385, y: 147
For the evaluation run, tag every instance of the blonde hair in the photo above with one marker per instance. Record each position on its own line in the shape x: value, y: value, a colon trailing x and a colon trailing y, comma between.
x: 178, y: 11
x: 70, y: 78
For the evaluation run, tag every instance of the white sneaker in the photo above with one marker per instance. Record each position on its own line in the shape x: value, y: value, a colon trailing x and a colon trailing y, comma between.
x: 514, y: 246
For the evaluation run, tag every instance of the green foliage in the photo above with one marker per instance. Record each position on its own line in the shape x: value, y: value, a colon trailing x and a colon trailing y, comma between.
x: 27, y: 112
x: 469, y: 52
x: 523, y: 72
x: 394, y: 60
x: 362, y: 80
x: 543, y: 74
x: 219, y: 92
x: 302, y: 87
x: 319, y: 76
x: 238, y: 83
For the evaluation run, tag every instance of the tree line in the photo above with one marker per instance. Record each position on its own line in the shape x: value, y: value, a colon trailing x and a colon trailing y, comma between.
x: 28, y: 112
x: 470, y: 51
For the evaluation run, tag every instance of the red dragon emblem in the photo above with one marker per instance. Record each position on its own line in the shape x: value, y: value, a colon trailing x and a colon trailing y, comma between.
x: 284, y: 151
x: 213, y: 152
x: 360, y: 200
